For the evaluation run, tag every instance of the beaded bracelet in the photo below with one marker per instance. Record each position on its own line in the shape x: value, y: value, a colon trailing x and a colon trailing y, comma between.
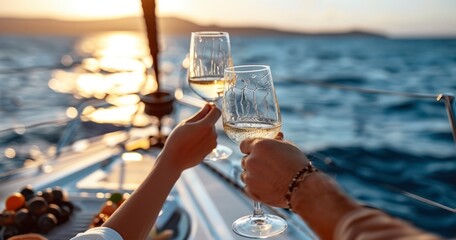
x: 298, y: 178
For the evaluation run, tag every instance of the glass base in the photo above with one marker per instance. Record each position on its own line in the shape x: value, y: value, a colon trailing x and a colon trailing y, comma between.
x: 221, y: 152
x: 254, y: 227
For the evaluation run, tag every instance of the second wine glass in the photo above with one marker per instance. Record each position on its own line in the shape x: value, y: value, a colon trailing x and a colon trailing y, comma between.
x: 210, y: 54
x: 250, y: 110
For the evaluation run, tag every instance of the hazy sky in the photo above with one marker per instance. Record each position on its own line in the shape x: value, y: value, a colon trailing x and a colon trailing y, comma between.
x: 394, y: 17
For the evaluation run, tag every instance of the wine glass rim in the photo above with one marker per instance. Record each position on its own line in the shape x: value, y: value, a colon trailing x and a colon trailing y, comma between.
x: 210, y: 33
x: 247, y: 68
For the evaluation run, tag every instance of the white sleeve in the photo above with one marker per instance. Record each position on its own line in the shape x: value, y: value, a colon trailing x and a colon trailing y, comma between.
x: 98, y: 233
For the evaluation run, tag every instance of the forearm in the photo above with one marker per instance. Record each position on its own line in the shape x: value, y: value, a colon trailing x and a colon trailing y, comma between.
x: 321, y: 204
x: 333, y: 215
x: 135, y: 218
x: 371, y: 224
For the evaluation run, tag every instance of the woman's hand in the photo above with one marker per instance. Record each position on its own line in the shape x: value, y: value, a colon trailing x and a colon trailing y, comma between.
x: 269, y: 166
x: 186, y: 146
x: 192, y: 139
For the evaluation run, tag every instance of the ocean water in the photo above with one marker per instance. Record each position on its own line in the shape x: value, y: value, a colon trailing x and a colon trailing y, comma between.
x: 375, y: 145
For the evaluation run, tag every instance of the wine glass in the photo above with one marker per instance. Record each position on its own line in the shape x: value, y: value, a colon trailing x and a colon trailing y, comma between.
x: 210, y: 54
x: 250, y: 110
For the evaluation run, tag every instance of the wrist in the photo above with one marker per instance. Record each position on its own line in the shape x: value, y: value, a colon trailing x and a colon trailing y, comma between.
x: 297, y: 180
x: 165, y: 164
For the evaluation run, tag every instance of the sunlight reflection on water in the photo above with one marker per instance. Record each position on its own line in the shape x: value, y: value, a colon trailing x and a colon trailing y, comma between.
x: 114, y: 65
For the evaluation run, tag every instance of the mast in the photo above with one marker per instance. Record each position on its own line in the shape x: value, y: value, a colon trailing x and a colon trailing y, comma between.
x: 150, y: 19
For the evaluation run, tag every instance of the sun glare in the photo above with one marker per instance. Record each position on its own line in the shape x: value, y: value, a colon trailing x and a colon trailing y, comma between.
x: 87, y: 9
x: 102, y: 8
x: 114, y: 44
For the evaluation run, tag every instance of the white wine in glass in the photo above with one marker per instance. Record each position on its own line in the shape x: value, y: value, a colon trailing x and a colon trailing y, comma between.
x: 250, y: 110
x: 209, y: 88
x: 210, y: 54
x: 239, y: 131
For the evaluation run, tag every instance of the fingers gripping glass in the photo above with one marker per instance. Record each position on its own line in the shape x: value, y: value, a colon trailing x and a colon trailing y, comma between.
x: 250, y: 110
x: 210, y: 54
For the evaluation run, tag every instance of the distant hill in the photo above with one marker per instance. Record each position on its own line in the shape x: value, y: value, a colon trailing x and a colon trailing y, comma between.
x: 167, y: 25
x: 172, y: 25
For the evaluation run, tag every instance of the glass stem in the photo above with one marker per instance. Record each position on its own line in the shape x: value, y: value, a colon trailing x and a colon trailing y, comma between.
x: 257, y: 211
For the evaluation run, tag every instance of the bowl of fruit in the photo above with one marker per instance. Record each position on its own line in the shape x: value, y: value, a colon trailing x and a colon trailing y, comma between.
x: 33, y: 213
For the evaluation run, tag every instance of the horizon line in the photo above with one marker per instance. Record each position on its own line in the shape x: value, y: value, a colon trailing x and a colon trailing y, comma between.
x: 284, y: 30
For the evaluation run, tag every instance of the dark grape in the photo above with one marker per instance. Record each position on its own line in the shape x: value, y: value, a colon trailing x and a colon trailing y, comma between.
x: 55, y: 210
x: 7, y: 218
x: 67, y: 204
x: 47, y: 195
x: 37, y: 206
x: 25, y: 221
x: 59, y: 195
x: 27, y: 192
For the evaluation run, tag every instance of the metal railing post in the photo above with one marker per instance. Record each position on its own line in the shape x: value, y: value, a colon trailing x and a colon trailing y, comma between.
x: 448, y: 99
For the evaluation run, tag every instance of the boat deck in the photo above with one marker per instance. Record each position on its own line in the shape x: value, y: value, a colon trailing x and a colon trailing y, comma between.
x: 203, y: 204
